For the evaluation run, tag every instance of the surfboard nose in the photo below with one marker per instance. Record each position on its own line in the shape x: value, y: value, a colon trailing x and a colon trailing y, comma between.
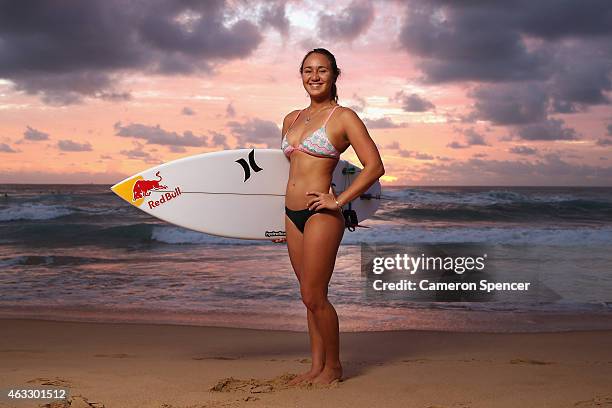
x: 126, y: 190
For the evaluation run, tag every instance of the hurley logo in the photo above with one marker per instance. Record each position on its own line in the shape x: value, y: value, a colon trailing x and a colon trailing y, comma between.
x: 250, y: 165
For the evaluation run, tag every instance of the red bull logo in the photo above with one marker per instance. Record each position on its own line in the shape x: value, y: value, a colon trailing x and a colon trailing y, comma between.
x: 135, y: 190
x: 142, y: 188
x: 165, y: 198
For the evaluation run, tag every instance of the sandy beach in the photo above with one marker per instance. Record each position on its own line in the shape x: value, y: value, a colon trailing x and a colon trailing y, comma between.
x: 148, y: 365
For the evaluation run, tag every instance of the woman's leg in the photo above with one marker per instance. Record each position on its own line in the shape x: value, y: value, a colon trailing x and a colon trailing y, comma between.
x: 294, y: 246
x: 322, y: 236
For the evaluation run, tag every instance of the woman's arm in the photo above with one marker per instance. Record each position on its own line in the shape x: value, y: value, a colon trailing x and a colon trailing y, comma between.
x: 368, y: 155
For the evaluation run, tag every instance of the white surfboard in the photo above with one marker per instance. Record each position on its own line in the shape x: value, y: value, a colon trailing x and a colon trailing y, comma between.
x: 231, y: 193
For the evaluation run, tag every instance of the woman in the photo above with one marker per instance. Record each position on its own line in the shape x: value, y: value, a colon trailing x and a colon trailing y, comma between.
x: 313, y: 140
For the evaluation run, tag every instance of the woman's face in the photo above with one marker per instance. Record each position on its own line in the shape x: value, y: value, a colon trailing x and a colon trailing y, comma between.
x: 317, y: 76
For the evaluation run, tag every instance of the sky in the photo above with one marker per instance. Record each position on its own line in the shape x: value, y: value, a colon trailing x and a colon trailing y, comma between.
x: 453, y: 93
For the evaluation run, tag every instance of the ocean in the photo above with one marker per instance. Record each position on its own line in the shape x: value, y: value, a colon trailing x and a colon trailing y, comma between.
x: 79, y: 252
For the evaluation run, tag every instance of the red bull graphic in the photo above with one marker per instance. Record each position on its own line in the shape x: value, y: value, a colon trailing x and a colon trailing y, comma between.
x: 136, y: 189
x: 165, y: 198
x: 143, y: 188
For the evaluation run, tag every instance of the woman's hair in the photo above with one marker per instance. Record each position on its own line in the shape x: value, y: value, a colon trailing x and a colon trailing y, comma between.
x: 334, y: 67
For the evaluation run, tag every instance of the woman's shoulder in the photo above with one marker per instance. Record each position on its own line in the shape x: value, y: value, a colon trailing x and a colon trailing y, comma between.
x: 291, y: 115
x: 346, y: 113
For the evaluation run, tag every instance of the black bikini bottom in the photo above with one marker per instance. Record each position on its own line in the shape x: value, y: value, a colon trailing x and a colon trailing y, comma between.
x: 299, y: 217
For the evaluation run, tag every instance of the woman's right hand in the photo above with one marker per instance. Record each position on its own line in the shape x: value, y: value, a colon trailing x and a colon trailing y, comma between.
x: 279, y: 240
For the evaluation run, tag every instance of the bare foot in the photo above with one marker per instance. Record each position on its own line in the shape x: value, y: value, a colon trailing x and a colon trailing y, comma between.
x: 328, y: 375
x: 307, y: 376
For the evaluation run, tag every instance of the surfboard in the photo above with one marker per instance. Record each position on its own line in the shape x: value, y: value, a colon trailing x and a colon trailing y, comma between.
x: 230, y: 193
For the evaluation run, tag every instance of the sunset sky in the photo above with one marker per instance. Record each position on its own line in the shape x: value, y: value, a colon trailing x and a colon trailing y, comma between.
x: 477, y: 93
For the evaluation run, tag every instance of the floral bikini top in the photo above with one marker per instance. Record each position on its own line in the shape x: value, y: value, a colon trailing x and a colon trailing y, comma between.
x: 317, y: 144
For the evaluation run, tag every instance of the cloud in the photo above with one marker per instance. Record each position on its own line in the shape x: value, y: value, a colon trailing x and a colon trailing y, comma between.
x: 256, y: 131
x: 359, y: 103
x: 348, y: 24
x: 408, y: 153
x: 422, y: 156
x: 457, y: 145
x: 274, y: 15
x: 518, y: 50
x: 5, y: 148
x: 64, y: 88
x: 572, y: 19
x: 550, y: 129
x: 549, y: 170
x: 510, y: 104
x: 219, y: 140
x: 524, y: 106
x: 472, y: 138
x: 230, y: 111
x: 114, y: 96
x: 139, y: 153
x: 524, y: 150
x: 443, y: 35
x: 382, y: 123
x: 71, y: 146
x: 604, y: 142
x: 413, y: 154
x: 157, y: 135
x: 393, y: 145
x: 560, y: 106
x: 187, y: 111
x: 136, y: 154
x: 84, y: 50
x: 574, y: 86
x: 413, y: 102
x: 308, y: 43
x: 35, y: 135
x: 177, y: 149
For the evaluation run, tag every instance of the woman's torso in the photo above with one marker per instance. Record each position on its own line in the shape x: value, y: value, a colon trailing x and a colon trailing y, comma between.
x: 308, y: 172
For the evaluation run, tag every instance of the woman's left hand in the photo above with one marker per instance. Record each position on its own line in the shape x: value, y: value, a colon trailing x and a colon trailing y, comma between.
x: 321, y: 201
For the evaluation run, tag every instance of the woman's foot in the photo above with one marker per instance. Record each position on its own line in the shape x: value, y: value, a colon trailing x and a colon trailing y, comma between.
x: 307, y: 376
x: 328, y: 375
